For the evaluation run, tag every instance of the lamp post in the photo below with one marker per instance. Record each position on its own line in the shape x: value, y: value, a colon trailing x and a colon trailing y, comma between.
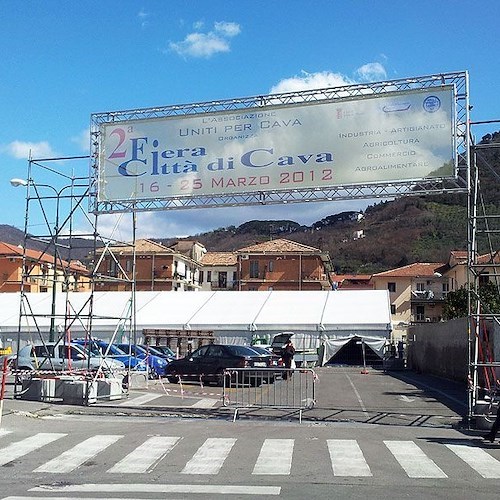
x: 26, y: 183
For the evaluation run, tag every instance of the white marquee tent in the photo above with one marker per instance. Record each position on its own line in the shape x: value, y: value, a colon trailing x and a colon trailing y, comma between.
x: 330, y: 318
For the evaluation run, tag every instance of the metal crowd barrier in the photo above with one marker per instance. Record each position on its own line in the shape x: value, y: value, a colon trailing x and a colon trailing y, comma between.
x: 280, y: 388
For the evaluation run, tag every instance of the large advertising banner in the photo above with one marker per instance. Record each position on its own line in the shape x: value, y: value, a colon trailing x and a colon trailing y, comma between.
x: 396, y: 136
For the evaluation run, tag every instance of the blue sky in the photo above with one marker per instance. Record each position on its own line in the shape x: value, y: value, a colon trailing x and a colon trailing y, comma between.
x: 62, y: 61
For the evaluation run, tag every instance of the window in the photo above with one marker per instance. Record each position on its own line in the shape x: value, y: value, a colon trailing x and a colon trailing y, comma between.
x: 254, y: 269
x: 393, y: 308
x: 235, y: 276
x: 270, y: 267
x: 420, y: 287
x: 446, y: 289
x: 483, y: 279
x: 420, y: 313
x: 222, y: 279
x: 391, y: 286
x: 209, y: 276
x: 201, y: 277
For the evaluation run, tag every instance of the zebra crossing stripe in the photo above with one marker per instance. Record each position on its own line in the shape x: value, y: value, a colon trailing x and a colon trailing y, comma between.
x: 478, y: 459
x: 146, y: 456
x: 210, y: 456
x: 414, y: 461
x: 21, y: 448
x: 275, y: 457
x: 79, y: 454
x: 347, y: 458
x: 141, y: 400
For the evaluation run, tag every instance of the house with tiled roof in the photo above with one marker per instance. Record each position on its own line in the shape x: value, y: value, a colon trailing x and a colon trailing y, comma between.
x: 158, y: 267
x: 219, y: 271
x: 42, y: 271
x: 486, y: 268
x: 283, y: 264
x: 417, y: 293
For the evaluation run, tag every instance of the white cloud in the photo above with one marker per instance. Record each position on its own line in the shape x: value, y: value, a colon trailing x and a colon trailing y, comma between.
x: 227, y: 29
x: 206, y: 45
x: 308, y: 81
x: 82, y: 140
x: 371, y: 72
x: 326, y: 79
x: 21, y: 150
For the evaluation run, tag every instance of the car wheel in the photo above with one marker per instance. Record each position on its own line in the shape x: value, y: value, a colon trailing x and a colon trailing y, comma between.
x: 173, y: 379
x: 24, y: 373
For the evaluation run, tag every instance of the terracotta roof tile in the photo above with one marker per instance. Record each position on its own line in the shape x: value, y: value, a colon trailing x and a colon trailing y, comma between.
x: 8, y: 250
x: 419, y: 269
x: 219, y: 259
x: 278, y: 246
x: 141, y: 246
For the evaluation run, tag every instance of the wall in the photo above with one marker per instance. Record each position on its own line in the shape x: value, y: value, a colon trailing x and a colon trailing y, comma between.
x: 439, y: 349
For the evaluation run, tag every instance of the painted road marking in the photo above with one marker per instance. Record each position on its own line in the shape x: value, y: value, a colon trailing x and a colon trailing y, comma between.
x: 275, y: 457
x: 79, y: 454
x: 210, y: 456
x: 145, y: 457
x: 347, y: 458
x: 413, y: 460
x: 21, y: 448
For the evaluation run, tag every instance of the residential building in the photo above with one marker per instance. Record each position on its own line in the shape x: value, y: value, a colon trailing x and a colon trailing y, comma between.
x: 282, y: 264
x: 158, y: 267
x: 487, y: 267
x: 219, y: 271
x: 42, y: 271
x: 417, y: 294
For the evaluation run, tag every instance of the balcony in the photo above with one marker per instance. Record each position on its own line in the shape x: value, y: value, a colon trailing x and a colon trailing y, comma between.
x: 426, y: 296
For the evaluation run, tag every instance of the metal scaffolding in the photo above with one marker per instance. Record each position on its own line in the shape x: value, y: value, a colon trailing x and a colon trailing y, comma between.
x: 483, y: 266
x: 58, y: 232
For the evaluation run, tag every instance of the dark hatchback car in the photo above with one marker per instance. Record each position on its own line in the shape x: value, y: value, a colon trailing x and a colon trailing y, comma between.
x: 207, y: 364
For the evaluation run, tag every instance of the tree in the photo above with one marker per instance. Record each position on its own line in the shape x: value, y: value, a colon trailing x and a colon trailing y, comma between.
x: 455, y: 305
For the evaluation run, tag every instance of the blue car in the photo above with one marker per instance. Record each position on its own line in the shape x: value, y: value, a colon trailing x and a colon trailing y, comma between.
x: 100, y: 347
x: 161, y: 351
x: 157, y: 365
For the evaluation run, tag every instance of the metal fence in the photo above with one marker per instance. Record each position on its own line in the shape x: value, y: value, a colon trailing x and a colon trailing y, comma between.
x: 280, y: 388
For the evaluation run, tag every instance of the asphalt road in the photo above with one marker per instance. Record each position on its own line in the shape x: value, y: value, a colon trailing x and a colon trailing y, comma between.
x: 372, y: 435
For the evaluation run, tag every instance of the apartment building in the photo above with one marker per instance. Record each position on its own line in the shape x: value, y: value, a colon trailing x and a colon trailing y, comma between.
x: 219, y: 271
x: 417, y: 293
x: 158, y: 267
x: 42, y: 271
x: 282, y: 264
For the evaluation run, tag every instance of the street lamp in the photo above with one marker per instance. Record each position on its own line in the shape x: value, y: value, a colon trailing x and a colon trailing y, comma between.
x: 25, y: 183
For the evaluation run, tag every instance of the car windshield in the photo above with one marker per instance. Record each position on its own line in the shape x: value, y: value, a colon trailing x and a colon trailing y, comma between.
x: 165, y: 350
x: 112, y: 349
x: 241, y: 350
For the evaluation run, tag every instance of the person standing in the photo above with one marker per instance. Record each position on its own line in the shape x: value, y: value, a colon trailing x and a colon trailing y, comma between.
x: 494, y: 429
x: 287, y: 355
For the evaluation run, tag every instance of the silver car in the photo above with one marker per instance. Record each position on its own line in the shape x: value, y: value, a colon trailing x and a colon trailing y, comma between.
x: 63, y: 357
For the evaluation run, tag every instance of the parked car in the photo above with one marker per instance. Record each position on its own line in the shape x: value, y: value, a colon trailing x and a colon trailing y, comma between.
x: 102, y: 348
x: 157, y: 365
x: 209, y: 362
x: 59, y: 357
x: 166, y: 351
x: 161, y: 351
